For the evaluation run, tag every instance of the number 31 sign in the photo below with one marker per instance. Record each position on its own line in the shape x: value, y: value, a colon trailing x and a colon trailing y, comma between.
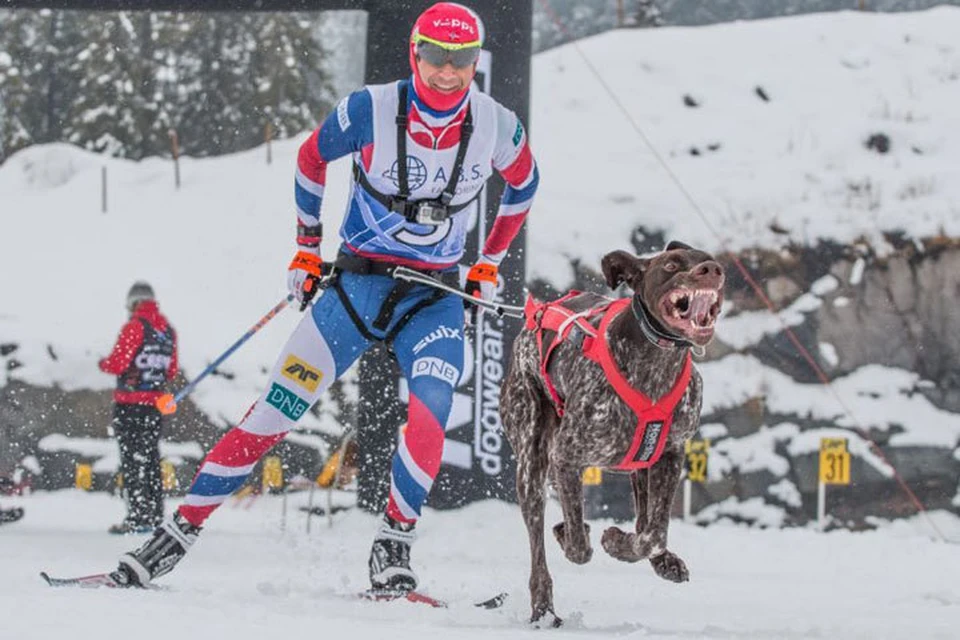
x: 834, y: 461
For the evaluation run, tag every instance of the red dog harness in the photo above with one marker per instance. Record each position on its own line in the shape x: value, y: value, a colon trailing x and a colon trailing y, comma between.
x: 653, y: 418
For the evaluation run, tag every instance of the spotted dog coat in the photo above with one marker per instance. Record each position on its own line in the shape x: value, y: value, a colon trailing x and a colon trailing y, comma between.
x: 681, y: 291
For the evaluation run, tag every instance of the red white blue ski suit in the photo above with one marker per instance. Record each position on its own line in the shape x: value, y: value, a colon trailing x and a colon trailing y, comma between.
x: 429, y: 348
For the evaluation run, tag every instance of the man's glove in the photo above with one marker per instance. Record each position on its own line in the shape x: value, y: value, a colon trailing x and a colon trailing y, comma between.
x: 303, y: 277
x: 482, y: 281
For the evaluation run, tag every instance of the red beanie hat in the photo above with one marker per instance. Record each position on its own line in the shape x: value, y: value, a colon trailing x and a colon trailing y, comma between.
x: 446, y: 22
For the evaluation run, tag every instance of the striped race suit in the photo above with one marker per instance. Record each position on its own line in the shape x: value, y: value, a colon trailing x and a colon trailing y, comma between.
x: 429, y: 348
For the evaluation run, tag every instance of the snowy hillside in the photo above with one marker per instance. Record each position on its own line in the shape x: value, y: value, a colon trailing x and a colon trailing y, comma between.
x: 791, y: 168
x: 798, y: 161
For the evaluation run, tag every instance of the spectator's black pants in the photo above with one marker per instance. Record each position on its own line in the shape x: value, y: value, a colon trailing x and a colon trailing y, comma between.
x: 137, y: 428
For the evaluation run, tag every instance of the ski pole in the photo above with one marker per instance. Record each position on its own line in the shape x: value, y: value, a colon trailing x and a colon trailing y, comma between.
x: 403, y: 273
x: 167, y: 403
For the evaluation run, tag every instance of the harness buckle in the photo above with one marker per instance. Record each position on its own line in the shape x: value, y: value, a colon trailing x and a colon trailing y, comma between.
x: 399, y: 204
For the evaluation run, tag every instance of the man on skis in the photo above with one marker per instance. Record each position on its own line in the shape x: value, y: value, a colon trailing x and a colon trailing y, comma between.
x: 422, y: 149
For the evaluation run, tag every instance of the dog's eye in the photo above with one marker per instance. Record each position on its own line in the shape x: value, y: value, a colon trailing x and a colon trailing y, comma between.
x: 671, y: 266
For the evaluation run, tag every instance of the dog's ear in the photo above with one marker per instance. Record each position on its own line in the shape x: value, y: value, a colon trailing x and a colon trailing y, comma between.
x: 620, y: 266
x: 676, y: 244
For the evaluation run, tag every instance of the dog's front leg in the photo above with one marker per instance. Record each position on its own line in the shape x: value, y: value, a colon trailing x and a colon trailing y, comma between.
x: 573, y: 533
x: 638, y: 482
x: 620, y: 544
x: 650, y: 542
x: 663, y: 482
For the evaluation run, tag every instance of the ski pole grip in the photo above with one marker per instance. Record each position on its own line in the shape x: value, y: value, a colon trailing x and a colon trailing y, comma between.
x: 166, y: 404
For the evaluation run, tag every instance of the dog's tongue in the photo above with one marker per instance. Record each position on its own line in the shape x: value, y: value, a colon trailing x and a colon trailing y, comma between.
x: 700, y: 310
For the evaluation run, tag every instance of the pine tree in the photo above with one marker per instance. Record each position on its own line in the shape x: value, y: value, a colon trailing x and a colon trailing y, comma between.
x: 648, y: 14
x: 118, y: 108
x: 14, y: 130
x: 118, y: 82
x: 36, y: 89
x: 285, y: 95
x: 247, y: 71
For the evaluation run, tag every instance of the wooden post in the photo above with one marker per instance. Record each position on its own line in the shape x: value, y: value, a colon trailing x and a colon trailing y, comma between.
x: 175, y: 149
x: 821, y: 505
x: 103, y: 189
x: 620, y: 16
x: 267, y: 137
x: 862, y: 4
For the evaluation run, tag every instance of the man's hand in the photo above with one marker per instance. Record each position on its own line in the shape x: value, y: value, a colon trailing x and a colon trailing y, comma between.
x: 482, y: 281
x: 303, y: 277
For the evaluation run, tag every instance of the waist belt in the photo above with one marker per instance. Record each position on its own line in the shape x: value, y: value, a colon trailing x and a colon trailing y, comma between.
x: 360, y: 265
x: 365, y: 266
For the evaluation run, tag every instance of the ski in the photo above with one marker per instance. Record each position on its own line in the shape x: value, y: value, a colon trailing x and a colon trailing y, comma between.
x: 493, y: 603
x: 93, y: 581
x: 388, y: 595
x: 85, y: 582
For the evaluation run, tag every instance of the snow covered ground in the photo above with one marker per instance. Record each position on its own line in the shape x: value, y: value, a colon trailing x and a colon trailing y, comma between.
x: 217, y: 250
x: 248, y: 580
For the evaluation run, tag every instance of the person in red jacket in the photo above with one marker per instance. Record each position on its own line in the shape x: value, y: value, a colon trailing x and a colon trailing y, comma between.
x: 144, y: 359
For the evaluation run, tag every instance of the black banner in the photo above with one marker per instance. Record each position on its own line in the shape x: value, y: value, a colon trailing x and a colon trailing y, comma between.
x: 187, y: 5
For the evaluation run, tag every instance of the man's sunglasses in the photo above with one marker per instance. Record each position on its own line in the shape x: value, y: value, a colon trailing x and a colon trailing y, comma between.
x: 460, y: 58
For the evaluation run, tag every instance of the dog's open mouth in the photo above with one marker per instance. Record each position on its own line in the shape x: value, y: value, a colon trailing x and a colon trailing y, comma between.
x: 691, y: 313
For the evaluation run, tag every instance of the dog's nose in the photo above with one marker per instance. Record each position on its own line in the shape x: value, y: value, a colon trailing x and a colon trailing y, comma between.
x: 709, y: 268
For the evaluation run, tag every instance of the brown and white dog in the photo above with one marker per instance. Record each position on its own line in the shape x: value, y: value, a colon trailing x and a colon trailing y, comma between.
x: 616, y: 391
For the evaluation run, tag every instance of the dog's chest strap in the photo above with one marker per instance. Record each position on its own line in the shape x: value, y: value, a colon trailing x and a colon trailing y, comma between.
x: 653, y: 418
x: 553, y: 323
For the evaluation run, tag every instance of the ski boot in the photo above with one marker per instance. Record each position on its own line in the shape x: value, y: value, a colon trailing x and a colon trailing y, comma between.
x: 390, y: 557
x: 158, y: 555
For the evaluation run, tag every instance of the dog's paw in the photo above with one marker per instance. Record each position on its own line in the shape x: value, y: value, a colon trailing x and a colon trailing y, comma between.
x: 670, y: 567
x: 545, y: 620
x: 559, y: 532
x: 619, y: 544
x: 577, y: 554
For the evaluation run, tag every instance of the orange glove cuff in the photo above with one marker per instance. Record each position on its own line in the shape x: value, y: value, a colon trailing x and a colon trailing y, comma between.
x: 483, y: 272
x: 306, y: 261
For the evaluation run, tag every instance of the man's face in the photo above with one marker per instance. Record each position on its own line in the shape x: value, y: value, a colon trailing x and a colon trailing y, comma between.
x: 446, y: 79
